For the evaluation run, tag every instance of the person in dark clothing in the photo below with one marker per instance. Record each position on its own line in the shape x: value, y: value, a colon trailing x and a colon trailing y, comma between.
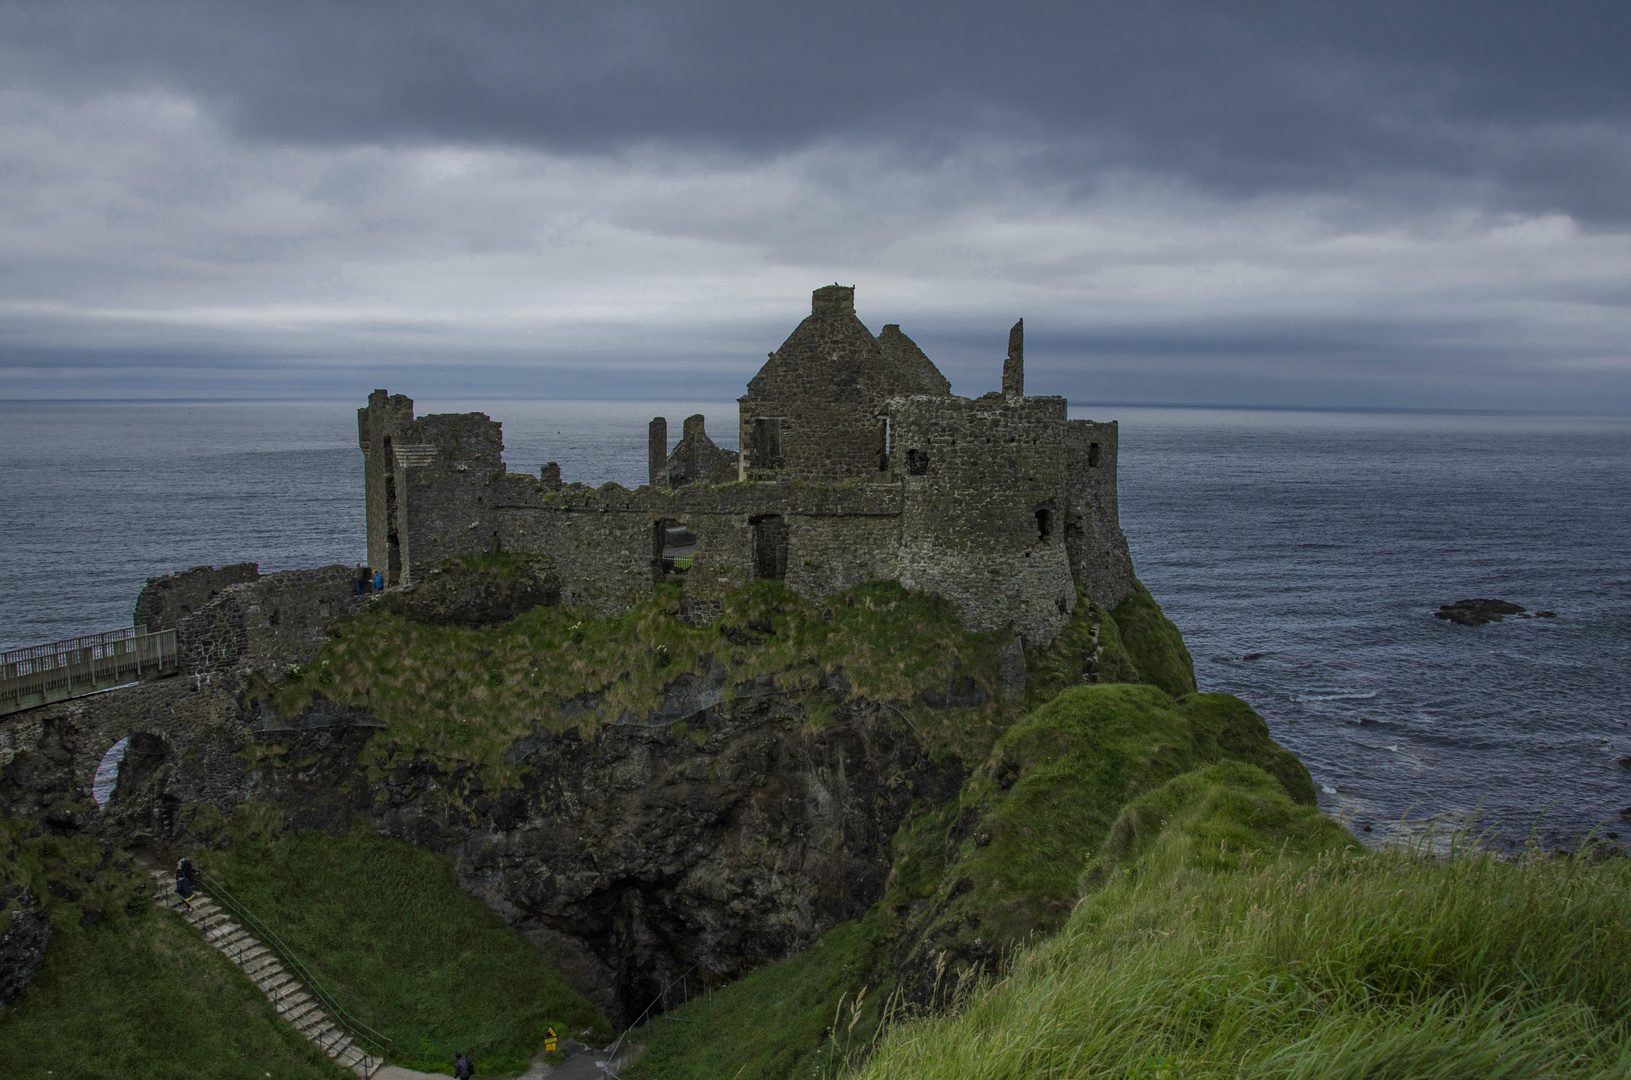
x: 461, y: 1068
x: 185, y: 875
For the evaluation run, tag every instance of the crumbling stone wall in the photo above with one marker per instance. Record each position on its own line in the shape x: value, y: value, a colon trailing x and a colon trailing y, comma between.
x: 269, y: 623
x: 696, y: 459
x: 166, y: 600
x: 426, y: 482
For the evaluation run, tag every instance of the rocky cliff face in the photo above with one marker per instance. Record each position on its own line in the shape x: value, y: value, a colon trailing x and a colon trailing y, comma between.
x: 22, y: 945
x: 629, y: 857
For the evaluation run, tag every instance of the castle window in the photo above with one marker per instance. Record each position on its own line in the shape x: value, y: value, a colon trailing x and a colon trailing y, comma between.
x: 883, y: 443
x: 767, y: 442
x: 673, y: 547
x: 1092, y: 455
x: 1044, y: 522
x: 770, y: 546
x: 917, y: 463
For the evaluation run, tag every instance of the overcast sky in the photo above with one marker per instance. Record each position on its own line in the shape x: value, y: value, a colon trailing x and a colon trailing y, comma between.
x: 1406, y: 204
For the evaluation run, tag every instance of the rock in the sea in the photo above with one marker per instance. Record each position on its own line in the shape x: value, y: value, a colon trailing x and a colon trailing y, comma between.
x: 1623, y: 762
x: 1477, y: 612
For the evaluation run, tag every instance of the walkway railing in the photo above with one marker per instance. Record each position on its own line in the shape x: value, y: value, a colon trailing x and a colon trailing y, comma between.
x: 41, y: 674
x: 360, y: 1031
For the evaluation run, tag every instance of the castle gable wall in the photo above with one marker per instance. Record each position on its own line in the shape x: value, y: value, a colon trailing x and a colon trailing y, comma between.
x: 814, y: 411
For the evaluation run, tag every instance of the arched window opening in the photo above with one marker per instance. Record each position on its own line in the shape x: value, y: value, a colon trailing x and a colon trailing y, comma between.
x: 1093, y: 455
x: 1044, y: 522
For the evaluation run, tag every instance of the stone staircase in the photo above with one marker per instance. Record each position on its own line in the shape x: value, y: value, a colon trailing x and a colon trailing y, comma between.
x: 293, y: 1001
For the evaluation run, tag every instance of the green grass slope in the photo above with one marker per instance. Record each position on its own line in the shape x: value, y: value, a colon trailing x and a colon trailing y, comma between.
x: 1345, y: 964
x: 977, y: 878
x: 384, y: 926
x: 783, y: 1020
x: 1031, y: 819
x: 130, y: 992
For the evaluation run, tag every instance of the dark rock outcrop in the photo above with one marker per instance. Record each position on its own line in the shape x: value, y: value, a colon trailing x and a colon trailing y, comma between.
x: 652, y: 850
x: 1477, y: 612
x: 22, y: 946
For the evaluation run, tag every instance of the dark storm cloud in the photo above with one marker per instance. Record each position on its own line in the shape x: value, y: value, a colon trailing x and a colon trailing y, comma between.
x: 1526, y: 102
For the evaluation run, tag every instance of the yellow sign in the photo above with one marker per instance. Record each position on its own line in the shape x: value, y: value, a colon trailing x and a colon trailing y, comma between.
x: 549, y: 1041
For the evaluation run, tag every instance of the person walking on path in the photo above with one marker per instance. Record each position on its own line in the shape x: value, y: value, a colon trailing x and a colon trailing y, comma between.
x: 461, y: 1068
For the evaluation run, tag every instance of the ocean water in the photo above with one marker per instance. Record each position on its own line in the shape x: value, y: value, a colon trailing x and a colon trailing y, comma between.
x: 1302, y: 555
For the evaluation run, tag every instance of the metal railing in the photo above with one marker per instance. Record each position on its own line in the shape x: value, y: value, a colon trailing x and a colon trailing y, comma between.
x: 41, y: 674
x: 359, y: 1031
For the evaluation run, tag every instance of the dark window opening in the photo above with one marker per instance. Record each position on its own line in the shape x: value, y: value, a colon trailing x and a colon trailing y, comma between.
x: 767, y: 442
x: 1044, y: 522
x: 883, y: 443
x: 393, y: 542
x: 1092, y: 455
x: 917, y: 463
x: 673, y: 548
x: 770, y: 546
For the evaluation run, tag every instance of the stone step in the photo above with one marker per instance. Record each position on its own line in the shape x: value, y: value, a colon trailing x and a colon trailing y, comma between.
x: 286, y: 992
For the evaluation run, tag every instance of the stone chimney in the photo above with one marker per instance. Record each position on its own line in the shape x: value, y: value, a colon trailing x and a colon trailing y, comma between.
x: 657, y: 451
x: 1013, y: 368
x: 833, y: 299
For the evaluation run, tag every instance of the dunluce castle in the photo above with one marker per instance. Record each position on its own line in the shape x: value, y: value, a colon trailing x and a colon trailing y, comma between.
x: 858, y: 463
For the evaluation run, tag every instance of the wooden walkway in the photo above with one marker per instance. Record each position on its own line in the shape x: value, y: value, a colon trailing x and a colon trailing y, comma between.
x: 41, y: 674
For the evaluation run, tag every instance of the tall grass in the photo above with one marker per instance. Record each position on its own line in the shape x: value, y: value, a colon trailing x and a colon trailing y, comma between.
x: 1370, y: 965
x: 384, y: 926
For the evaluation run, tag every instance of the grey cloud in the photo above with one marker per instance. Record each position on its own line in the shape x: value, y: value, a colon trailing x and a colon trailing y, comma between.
x: 1528, y: 101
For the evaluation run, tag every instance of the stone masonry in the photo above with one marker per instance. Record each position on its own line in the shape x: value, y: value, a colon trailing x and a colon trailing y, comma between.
x: 857, y: 464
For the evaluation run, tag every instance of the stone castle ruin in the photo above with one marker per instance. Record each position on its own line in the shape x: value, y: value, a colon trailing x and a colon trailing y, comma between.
x: 858, y: 463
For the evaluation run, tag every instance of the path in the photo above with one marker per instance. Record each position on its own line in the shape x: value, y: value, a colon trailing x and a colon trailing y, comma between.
x: 286, y: 993
x: 582, y: 1063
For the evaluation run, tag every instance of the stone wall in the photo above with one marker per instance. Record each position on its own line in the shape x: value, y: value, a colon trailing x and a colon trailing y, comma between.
x: 696, y: 459
x: 606, y: 542
x: 166, y: 600
x: 857, y: 464
x: 986, y: 487
x: 426, y: 481
x: 268, y: 623
x: 1099, y: 559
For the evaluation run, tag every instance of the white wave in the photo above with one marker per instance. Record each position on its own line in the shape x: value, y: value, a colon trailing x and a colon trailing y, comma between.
x: 1337, y: 695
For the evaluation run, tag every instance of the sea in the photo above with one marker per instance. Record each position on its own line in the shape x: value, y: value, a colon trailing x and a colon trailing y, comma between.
x: 1302, y: 554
